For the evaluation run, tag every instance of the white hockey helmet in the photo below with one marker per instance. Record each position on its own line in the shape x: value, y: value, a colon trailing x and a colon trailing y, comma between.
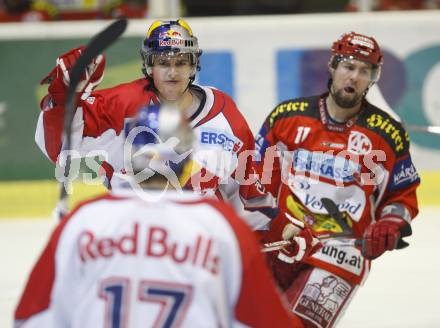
x: 160, y: 141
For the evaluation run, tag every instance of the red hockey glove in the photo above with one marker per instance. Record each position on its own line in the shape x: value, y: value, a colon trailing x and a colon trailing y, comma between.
x: 59, y: 77
x: 303, y: 241
x: 384, y: 235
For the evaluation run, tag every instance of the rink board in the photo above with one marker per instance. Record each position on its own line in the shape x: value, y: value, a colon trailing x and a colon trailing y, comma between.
x: 40, y: 197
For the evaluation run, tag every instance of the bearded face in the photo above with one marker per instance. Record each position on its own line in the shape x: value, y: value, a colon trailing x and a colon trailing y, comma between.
x: 347, y: 97
x: 351, y: 79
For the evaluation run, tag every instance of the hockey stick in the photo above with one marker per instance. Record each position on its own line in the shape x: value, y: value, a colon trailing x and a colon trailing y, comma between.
x: 343, y: 239
x: 333, y: 210
x: 96, y: 45
x: 340, y: 242
x: 424, y: 129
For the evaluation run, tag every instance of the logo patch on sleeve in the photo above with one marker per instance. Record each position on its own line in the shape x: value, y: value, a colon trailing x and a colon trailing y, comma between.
x: 404, y: 174
x: 228, y: 141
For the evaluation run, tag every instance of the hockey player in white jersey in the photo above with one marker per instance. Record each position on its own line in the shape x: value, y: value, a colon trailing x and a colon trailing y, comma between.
x: 124, y: 260
x: 170, y: 61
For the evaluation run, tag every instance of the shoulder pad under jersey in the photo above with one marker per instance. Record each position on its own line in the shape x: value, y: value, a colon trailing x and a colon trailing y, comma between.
x: 388, y: 128
x: 307, y: 106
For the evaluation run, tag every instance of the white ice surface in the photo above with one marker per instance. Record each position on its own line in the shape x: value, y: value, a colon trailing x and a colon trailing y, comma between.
x: 403, y: 289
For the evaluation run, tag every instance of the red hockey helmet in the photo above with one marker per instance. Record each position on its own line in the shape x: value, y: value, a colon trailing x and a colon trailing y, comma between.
x: 359, y: 47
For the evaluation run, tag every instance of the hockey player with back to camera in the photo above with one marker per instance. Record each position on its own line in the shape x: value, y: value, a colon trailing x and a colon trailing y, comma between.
x: 170, y: 60
x: 339, y: 146
x: 179, y: 261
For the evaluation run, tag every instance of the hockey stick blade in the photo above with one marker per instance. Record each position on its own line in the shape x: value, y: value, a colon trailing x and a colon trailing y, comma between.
x: 97, y: 45
x: 333, y: 210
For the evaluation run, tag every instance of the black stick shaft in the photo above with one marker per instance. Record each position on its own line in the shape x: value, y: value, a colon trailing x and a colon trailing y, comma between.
x: 96, y: 46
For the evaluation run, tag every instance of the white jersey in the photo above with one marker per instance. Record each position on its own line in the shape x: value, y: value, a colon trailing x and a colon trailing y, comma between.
x: 119, y: 261
x: 222, y: 137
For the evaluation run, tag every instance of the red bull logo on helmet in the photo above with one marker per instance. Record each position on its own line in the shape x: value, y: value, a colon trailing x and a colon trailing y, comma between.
x: 170, y: 34
x: 171, y: 38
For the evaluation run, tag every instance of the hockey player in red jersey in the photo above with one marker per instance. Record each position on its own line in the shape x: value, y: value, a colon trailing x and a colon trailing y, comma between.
x: 337, y: 145
x: 180, y: 261
x: 170, y: 60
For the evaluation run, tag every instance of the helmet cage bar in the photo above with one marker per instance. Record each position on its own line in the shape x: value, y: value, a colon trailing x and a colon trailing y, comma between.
x: 148, y: 62
x: 155, y: 44
x: 151, y: 57
x: 375, y: 69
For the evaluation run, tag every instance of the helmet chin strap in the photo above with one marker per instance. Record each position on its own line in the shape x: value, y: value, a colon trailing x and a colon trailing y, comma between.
x: 368, y: 88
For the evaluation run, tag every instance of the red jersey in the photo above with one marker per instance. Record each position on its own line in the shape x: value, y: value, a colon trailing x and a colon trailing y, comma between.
x: 100, y: 119
x: 363, y: 165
